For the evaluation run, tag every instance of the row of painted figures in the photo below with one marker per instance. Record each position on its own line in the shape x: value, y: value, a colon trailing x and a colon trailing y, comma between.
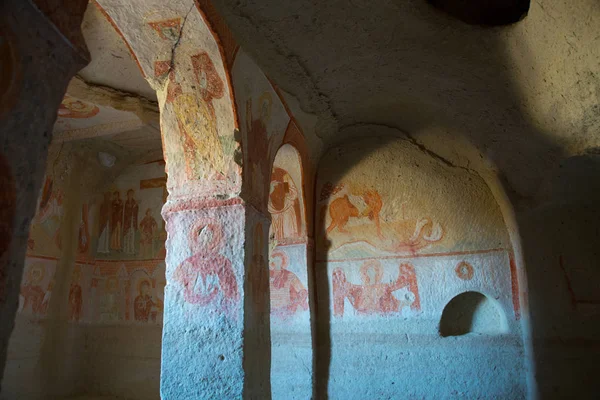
x: 119, y: 226
x: 111, y: 297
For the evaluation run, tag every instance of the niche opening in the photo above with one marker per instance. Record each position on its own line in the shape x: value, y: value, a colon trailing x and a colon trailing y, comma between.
x: 472, y: 312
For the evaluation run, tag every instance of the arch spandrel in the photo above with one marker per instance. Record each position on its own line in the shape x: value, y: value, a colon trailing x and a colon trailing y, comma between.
x: 263, y: 121
x: 181, y: 59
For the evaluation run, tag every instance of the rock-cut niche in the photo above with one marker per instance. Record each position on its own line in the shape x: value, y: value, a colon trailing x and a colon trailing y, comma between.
x: 471, y: 312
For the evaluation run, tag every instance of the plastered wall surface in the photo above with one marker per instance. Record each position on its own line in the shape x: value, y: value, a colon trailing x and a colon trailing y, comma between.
x: 44, y: 348
x: 562, y: 259
x: 291, y: 339
x: 400, y: 235
x: 400, y: 231
x: 90, y: 309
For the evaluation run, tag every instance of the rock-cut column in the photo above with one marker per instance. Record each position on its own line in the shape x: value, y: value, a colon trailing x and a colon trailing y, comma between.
x: 215, y: 332
x: 41, y: 49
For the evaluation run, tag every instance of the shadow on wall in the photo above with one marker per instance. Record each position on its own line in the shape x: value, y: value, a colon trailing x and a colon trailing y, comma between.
x: 521, y: 164
x: 398, y: 234
x: 468, y: 80
x: 472, y: 312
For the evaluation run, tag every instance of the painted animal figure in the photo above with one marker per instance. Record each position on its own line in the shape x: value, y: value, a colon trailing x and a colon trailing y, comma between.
x: 374, y: 204
x: 340, y: 210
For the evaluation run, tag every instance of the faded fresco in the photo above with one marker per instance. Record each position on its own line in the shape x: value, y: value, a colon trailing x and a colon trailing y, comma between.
x: 286, y: 200
x: 291, y: 340
x: 44, y: 232
x: 83, y: 118
x: 197, y: 112
x: 128, y: 224
x: 118, y: 274
x: 37, y: 286
x: 207, y: 274
x: 117, y: 292
x: 287, y: 261
x: 289, y: 294
x: 263, y: 121
x: 401, y: 234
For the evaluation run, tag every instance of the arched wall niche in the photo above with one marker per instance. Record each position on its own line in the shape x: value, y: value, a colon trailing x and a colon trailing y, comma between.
x: 218, y: 178
x: 400, y: 232
x: 472, y: 312
x: 286, y: 197
x: 183, y: 59
x: 289, y: 278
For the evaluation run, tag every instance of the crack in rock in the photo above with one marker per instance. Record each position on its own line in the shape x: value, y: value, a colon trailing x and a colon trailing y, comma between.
x: 174, y: 48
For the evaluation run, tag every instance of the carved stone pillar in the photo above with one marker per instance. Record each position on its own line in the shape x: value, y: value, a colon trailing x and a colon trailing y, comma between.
x: 216, y: 326
x: 216, y: 316
x: 41, y: 49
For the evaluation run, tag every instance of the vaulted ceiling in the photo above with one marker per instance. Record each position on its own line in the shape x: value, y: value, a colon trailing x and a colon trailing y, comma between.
x: 526, y: 95
x: 521, y: 97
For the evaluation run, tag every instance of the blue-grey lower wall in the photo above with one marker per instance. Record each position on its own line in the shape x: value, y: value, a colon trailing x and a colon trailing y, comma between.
x: 291, y: 340
x: 412, y: 366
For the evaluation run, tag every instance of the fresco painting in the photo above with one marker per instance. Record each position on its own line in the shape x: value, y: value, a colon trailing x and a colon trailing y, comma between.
x: 147, y: 304
x: 44, y: 233
x: 288, y: 294
x: 122, y: 292
x: 74, y: 108
x: 288, y: 266
x: 127, y: 216
x: 372, y: 296
x: 84, y: 117
x: 36, y: 286
x: 130, y: 223
x: 353, y: 215
x: 263, y: 121
x: 286, y: 198
x: 167, y: 29
x: 75, y: 295
x: 403, y: 287
x: 193, y: 85
x: 464, y: 271
x: 400, y: 235
x: 83, y: 234
x: 207, y: 277
x: 284, y: 206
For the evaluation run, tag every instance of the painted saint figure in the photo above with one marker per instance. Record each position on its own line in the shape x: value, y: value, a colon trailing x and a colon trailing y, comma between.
x: 83, y: 240
x: 104, y: 224
x: 288, y: 294
x: 50, y: 211
x: 116, y: 222
x: 75, y: 297
x: 373, y: 296
x: 207, y: 277
x: 145, y: 307
x: 148, y: 228
x: 109, y: 306
x: 130, y: 224
x: 284, y: 206
x: 32, y: 294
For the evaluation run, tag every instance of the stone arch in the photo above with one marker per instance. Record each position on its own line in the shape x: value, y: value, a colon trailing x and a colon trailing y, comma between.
x: 399, y: 232
x: 289, y: 278
x: 182, y: 58
x: 185, y: 52
x: 472, y: 312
